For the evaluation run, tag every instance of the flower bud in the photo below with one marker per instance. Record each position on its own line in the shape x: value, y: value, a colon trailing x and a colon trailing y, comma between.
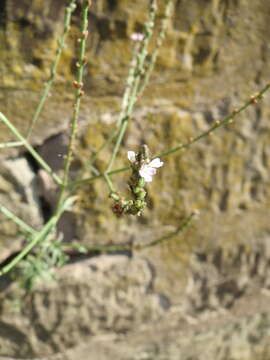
x: 141, y: 182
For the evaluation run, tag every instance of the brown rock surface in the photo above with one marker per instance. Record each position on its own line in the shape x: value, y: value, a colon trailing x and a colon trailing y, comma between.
x: 215, y: 56
x: 110, y: 306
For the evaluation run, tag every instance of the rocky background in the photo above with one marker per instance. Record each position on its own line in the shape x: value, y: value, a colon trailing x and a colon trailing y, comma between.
x: 203, y: 295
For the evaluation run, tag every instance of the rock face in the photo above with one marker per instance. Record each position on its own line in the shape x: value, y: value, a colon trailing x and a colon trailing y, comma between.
x: 242, y: 339
x: 215, y: 56
x: 96, y: 297
x: 206, y: 68
x: 110, y: 305
x: 19, y: 193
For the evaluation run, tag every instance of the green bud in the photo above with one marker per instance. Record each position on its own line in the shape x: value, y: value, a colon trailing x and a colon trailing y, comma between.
x: 141, y: 182
x: 140, y: 204
x: 127, y: 204
x: 115, y: 196
x: 141, y: 195
x: 136, y: 190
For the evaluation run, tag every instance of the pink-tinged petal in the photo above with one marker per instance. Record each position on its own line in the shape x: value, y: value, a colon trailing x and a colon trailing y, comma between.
x: 145, y: 175
x: 131, y: 156
x: 147, y: 172
x: 147, y: 178
x: 143, y: 171
x: 151, y: 171
x: 156, y: 163
x: 136, y: 37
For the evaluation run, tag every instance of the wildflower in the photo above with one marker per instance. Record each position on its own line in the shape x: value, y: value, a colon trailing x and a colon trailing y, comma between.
x: 136, y: 37
x: 131, y: 156
x: 146, y: 171
x: 149, y: 170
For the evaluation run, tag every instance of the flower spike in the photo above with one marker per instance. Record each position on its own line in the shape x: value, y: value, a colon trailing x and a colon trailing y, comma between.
x: 143, y: 170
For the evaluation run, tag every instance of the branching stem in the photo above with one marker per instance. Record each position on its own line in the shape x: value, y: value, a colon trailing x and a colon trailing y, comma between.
x: 9, y: 214
x: 134, y: 78
x: 227, y: 120
x: 78, y: 84
x: 61, y: 44
x: 32, y: 151
x: 132, y: 247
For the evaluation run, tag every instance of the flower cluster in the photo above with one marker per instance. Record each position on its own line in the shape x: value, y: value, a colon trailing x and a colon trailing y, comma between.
x: 143, y: 170
x: 146, y: 171
x: 136, y: 37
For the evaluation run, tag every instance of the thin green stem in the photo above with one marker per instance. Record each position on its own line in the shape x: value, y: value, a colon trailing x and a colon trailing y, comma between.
x: 102, y: 248
x: 133, y: 81
x: 227, y: 120
x: 128, y: 87
x: 131, y: 247
x: 32, y: 151
x: 129, y: 83
x: 11, y: 144
x: 162, y: 239
x: 109, y: 183
x: 135, y: 76
x: 37, y: 237
x: 118, y: 143
x: 78, y: 84
x: 75, y: 183
x: 89, y: 165
x: 35, y: 240
x: 9, y: 214
x: 61, y: 44
x: 94, y: 170
x: 95, y: 155
x: 159, y: 41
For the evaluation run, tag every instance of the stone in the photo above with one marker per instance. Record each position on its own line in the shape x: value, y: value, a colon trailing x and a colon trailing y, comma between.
x: 215, y: 56
x: 19, y: 194
x: 98, y: 296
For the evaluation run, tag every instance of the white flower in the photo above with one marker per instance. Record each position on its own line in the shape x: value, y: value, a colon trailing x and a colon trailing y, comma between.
x: 131, y: 156
x: 136, y: 37
x: 156, y: 163
x: 146, y: 171
x: 149, y: 170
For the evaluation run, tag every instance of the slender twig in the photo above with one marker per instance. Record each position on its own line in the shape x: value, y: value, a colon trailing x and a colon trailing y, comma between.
x: 135, y: 81
x: 9, y: 214
x: 130, y: 247
x: 35, y: 240
x: 107, y: 142
x: 78, y: 84
x: 93, y: 178
x: 94, y: 170
x: 182, y: 226
x: 136, y: 73
x: 133, y: 68
x: 109, y: 183
x: 125, y: 99
x: 227, y: 120
x: 61, y: 44
x: 89, y: 165
x: 118, y: 142
x: 159, y: 41
x: 32, y: 151
x: 11, y: 144
x: 37, y: 237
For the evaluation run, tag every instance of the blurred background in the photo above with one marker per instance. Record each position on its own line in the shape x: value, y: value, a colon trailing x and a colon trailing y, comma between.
x: 201, y: 295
